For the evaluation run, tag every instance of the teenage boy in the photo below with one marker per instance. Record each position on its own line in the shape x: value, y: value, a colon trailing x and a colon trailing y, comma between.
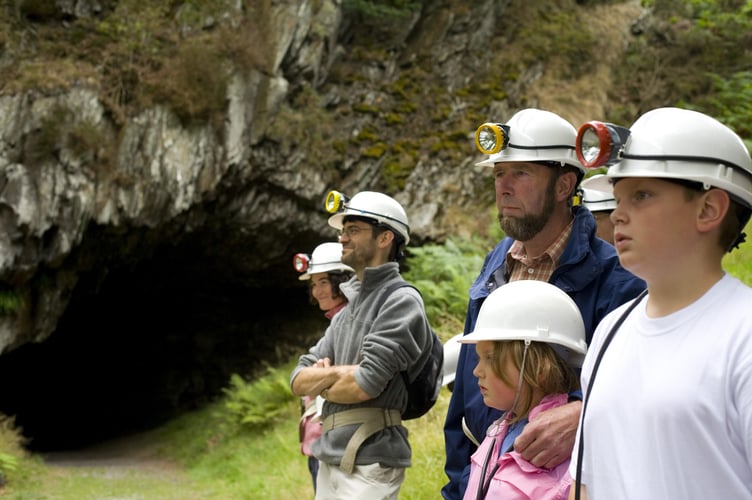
x: 668, y: 383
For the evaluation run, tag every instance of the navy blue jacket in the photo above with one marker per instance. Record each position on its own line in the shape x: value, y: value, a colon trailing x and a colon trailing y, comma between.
x: 590, y: 273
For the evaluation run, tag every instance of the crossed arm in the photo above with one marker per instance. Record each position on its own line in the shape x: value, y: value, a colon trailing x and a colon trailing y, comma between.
x: 336, y: 381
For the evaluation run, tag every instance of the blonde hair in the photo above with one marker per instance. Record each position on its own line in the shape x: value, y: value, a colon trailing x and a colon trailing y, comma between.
x: 544, y: 370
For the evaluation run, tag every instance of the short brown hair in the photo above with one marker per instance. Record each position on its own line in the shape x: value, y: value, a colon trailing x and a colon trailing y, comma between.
x: 733, y: 222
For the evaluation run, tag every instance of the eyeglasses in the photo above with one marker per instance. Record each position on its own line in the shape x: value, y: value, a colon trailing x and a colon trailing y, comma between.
x: 351, y: 231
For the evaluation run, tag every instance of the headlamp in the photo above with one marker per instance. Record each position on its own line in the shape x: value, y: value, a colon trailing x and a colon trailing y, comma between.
x: 600, y: 144
x: 335, y: 202
x: 301, y: 262
x: 490, y: 138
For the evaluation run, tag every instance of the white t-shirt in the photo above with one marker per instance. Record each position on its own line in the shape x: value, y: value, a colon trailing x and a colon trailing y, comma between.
x: 670, y: 414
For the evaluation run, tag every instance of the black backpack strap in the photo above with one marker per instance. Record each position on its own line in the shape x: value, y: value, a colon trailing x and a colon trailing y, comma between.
x: 606, y: 342
x: 385, y: 295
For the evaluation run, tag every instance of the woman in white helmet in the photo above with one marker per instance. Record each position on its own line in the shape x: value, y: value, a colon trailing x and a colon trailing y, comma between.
x: 529, y: 338
x: 324, y: 271
x: 667, y: 411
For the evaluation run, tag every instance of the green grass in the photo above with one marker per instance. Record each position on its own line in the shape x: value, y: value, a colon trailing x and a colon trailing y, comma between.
x: 268, y: 463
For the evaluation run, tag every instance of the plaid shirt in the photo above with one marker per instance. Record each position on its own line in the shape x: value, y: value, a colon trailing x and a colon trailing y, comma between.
x: 523, y: 267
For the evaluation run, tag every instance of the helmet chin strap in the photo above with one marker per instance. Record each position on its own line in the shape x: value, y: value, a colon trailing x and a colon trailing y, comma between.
x: 510, y: 412
x: 742, y: 236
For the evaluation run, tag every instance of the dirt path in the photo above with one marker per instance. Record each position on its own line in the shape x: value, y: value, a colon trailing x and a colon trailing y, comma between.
x: 119, y: 457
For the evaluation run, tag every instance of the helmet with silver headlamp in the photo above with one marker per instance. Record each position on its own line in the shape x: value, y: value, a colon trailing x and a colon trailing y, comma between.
x: 671, y: 143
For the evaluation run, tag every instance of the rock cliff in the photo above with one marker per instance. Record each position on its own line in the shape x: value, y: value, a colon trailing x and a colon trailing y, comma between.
x: 148, y: 214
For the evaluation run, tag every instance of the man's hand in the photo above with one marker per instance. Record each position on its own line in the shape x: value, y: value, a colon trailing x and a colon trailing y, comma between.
x: 548, y: 440
x: 323, y: 363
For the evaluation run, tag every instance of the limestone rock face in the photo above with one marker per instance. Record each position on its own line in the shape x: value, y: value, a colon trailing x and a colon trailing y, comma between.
x: 146, y: 241
x: 80, y: 192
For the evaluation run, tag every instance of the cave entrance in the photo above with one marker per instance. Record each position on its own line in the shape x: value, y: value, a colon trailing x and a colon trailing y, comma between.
x: 141, y: 344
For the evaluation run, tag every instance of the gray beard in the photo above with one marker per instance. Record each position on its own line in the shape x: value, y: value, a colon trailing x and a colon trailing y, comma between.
x: 526, y: 227
x: 523, y: 229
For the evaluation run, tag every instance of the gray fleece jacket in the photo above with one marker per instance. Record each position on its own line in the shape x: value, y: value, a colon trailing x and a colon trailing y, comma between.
x: 396, y: 339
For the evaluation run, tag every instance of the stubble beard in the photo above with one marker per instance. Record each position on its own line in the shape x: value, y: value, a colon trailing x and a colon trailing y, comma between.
x: 347, y: 258
x: 356, y: 258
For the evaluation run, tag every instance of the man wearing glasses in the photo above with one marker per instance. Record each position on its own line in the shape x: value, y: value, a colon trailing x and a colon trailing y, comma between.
x: 356, y: 366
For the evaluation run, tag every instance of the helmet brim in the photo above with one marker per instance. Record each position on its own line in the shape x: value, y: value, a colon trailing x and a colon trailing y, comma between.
x: 574, y: 354
x: 602, y: 183
x: 336, y: 220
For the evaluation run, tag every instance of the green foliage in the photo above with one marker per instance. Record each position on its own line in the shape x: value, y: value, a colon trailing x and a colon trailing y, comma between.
x: 8, y: 463
x: 132, y: 26
x: 738, y: 263
x: 193, y: 83
x: 443, y: 274
x: 260, y: 402
x: 375, y: 151
x: 10, y: 301
x: 305, y: 122
x: 364, y: 108
x: 731, y: 102
x: 556, y: 34
x: 16, y: 466
x: 691, y: 51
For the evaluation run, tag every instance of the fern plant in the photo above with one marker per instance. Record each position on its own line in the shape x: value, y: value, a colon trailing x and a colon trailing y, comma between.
x: 260, y: 402
x: 443, y: 274
x: 8, y: 463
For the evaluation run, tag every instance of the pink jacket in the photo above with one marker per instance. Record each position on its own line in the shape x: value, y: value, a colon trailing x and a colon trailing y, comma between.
x: 516, y: 478
x: 309, y: 427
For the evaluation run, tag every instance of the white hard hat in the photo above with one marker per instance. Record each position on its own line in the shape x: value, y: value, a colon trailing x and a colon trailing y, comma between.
x: 536, y: 135
x: 451, y: 356
x: 532, y: 310
x: 594, y: 197
x: 378, y: 206
x: 675, y: 143
x: 327, y: 257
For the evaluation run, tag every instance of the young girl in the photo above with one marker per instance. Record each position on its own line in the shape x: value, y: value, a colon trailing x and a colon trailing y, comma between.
x: 325, y: 271
x: 529, y: 336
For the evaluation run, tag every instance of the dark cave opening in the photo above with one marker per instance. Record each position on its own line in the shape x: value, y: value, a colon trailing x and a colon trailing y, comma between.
x: 145, y: 344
